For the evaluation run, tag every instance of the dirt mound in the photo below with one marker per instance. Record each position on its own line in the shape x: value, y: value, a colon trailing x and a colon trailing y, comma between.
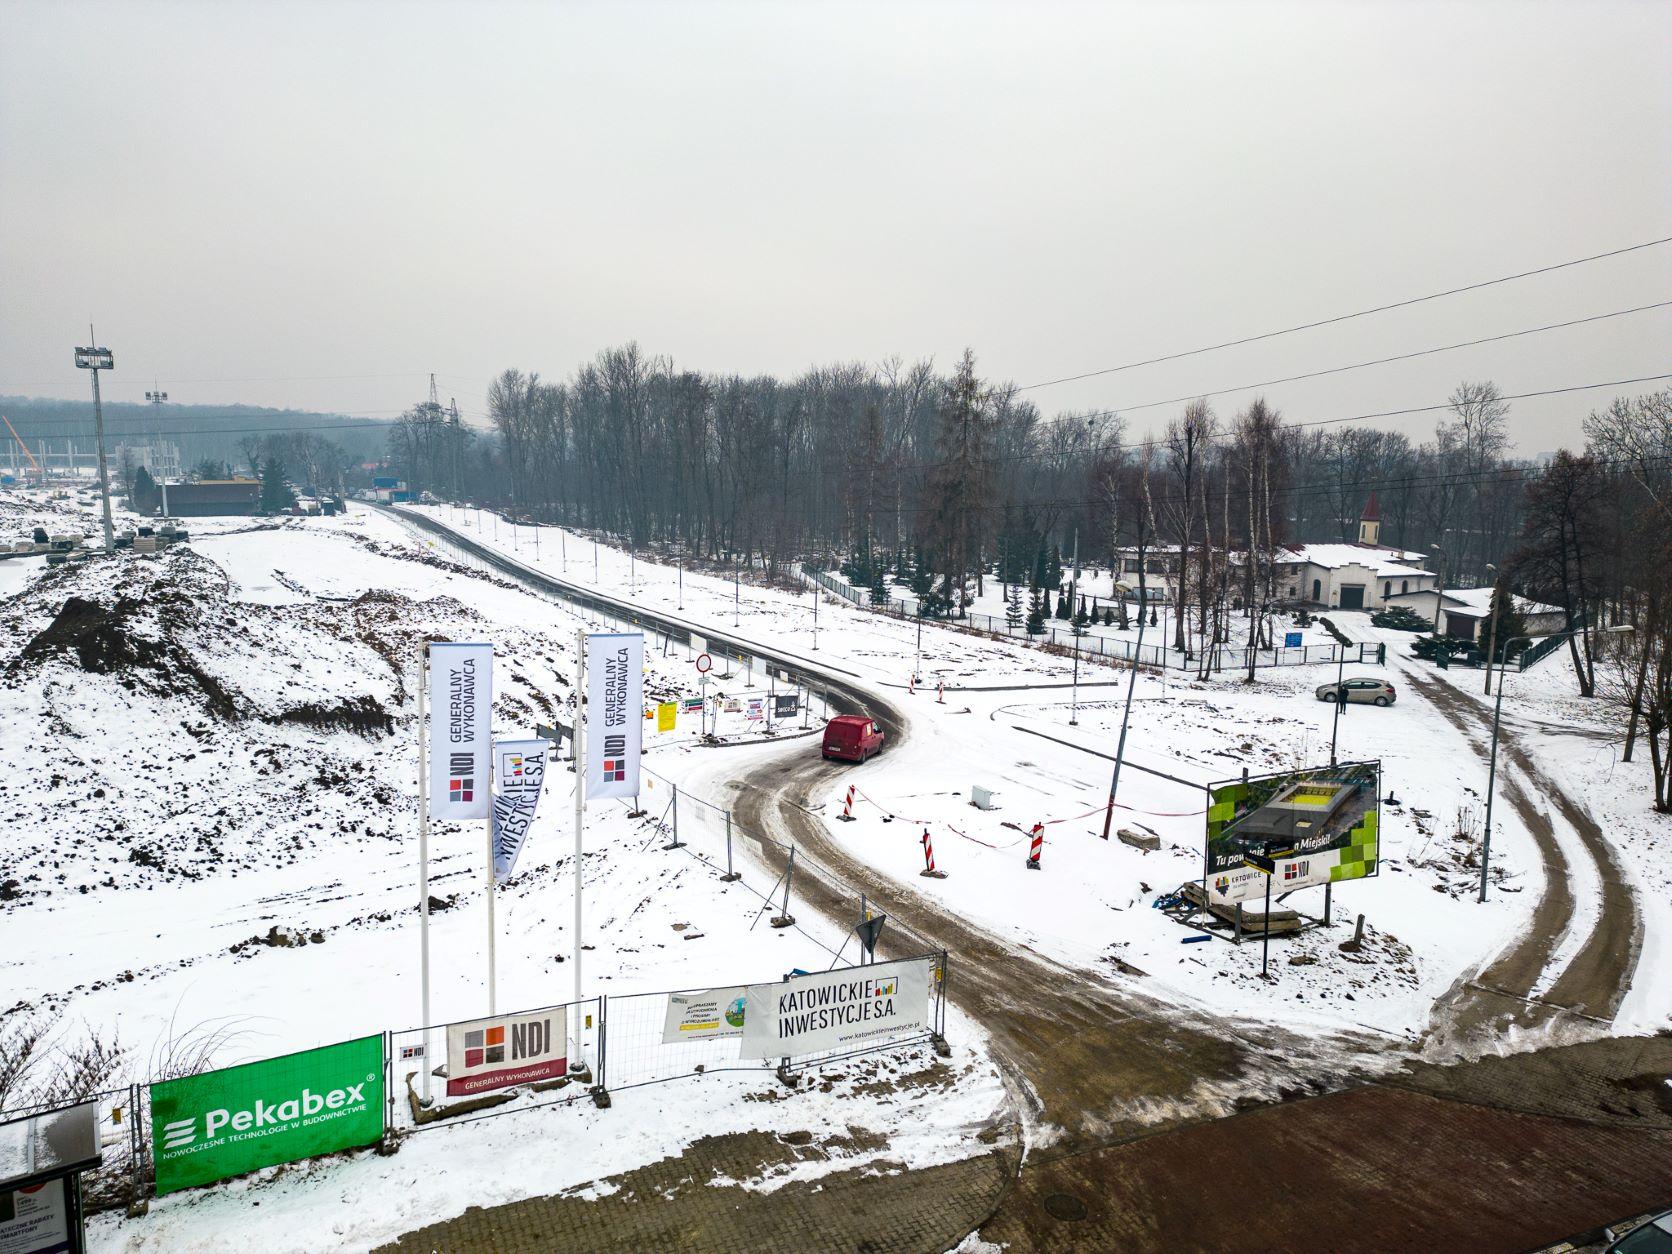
x: 108, y: 640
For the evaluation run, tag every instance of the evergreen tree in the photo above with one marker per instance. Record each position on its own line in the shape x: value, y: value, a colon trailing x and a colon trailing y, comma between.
x: 1041, y: 568
x: 1062, y: 606
x: 1014, y: 616
x: 1053, y: 570
x: 275, y: 492
x: 1036, y: 613
x: 1511, y: 621
x: 1080, y: 622
x: 879, y: 588
x: 1109, y: 617
x: 922, y: 577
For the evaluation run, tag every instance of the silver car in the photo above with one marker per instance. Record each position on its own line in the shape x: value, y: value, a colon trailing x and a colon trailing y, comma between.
x: 1361, y: 692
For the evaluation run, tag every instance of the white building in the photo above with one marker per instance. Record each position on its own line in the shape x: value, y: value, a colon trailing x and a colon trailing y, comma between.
x: 1464, y: 613
x: 1362, y: 576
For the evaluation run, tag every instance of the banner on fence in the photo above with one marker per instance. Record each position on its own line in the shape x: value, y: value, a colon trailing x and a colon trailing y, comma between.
x: 666, y: 713
x: 837, y: 1010
x: 756, y: 710
x: 503, y: 1050
x: 693, y: 705
x: 519, y: 770
x: 699, y: 1016
x: 223, y: 1123
x: 461, y: 712
x: 614, y: 702
x: 785, y: 707
x: 733, y: 705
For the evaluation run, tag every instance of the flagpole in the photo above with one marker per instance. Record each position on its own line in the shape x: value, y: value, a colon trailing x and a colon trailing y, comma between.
x: 424, y: 856
x: 575, y: 1053
x: 488, y: 822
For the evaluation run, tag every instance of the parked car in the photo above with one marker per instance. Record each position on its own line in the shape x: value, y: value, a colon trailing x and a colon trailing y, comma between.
x: 852, y: 738
x: 1362, y: 692
x: 1653, y: 1237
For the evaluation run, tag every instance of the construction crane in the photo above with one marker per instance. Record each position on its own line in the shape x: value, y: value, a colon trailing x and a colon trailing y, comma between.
x: 39, y: 473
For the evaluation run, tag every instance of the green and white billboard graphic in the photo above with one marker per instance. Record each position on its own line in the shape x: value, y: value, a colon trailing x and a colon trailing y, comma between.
x: 1328, y: 815
x: 224, y: 1123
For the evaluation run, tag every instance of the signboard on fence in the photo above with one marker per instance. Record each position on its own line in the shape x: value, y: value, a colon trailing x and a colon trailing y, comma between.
x: 702, y: 1016
x: 461, y: 711
x: 503, y: 1050
x: 785, y: 707
x: 666, y: 713
x: 614, y: 704
x: 1320, y: 825
x: 223, y: 1123
x: 1292, y: 640
x: 837, y: 1010
x: 756, y: 710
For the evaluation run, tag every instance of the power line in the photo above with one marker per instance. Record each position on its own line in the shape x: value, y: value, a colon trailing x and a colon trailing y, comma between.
x: 1383, y: 361
x: 1348, y: 317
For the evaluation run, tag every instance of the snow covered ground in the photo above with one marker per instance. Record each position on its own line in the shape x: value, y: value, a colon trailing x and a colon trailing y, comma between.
x: 210, y: 827
x: 1006, y: 709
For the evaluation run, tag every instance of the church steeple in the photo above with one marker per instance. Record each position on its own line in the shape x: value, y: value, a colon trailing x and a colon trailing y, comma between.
x: 1370, y: 522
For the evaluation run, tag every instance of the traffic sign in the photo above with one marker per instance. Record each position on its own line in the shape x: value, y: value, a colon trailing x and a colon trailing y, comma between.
x: 704, y: 663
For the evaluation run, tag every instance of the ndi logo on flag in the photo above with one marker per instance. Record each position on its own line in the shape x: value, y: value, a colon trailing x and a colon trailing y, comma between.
x: 461, y: 782
x: 615, y: 767
x: 614, y: 713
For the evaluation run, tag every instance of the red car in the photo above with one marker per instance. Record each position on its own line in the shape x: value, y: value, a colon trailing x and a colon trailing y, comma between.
x: 852, y: 738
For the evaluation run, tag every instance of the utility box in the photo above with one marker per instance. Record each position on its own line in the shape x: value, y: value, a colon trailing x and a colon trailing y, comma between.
x: 982, y: 798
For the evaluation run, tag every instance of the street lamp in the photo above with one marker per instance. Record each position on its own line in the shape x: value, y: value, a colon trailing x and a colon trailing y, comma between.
x: 1439, y: 586
x: 1497, y: 714
x: 97, y: 359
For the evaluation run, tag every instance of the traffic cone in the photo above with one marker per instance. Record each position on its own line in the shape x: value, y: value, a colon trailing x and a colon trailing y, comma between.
x: 1037, y: 847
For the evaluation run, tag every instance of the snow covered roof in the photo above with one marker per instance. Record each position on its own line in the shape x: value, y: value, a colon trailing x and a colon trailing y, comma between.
x: 1385, y: 562
x: 1478, y: 602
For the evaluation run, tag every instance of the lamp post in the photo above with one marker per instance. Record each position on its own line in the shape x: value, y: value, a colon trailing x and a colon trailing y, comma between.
x: 97, y: 359
x: 1492, y: 632
x: 1074, y: 630
x: 1439, y: 586
x: 1340, y: 695
x: 1492, y: 761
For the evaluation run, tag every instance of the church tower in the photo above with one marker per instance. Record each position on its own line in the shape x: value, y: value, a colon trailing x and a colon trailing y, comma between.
x: 1370, y: 523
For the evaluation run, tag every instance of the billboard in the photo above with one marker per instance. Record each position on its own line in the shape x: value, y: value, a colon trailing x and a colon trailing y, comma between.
x: 704, y: 1015
x: 223, y: 1123
x: 1319, y: 825
x: 461, y: 715
x: 502, y: 1050
x: 614, y: 713
x: 837, y: 1010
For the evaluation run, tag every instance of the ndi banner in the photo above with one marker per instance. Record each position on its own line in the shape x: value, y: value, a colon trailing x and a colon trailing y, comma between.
x: 519, y: 770
x: 223, y: 1123
x: 461, y: 717
x: 702, y: 1016
x: 614, y: 713
x: 503, y: 1050
x: 837, y: 1010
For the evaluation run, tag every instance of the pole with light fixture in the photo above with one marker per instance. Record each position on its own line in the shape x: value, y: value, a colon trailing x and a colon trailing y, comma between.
x: 97, y: 359
x: 1497, y: 717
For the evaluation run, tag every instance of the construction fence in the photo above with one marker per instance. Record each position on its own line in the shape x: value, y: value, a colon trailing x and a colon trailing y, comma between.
x: 191, y: 1130
x: 1096, y: 647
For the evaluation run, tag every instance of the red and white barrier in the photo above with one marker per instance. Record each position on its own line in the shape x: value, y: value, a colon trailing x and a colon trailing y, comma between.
x: 846, y: 815
x: 928, y: 871
x: 911, y: 685
x: 1037, y: 847
x: 940, y: 691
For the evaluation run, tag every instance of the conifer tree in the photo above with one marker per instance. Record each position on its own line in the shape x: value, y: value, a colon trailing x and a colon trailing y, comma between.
x: 1014, y: 616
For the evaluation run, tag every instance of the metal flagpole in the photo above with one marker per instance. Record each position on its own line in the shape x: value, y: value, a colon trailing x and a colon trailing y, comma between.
x: 575, y: 1053
x: 489, y: 824
x: 424, y: 855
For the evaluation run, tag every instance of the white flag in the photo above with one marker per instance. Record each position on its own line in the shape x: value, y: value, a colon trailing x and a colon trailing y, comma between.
x: 519, y: 770
x: 461, y: 719
x: 614, y: 713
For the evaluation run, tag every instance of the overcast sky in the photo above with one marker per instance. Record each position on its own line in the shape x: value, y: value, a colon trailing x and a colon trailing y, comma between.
x: 315, y: 204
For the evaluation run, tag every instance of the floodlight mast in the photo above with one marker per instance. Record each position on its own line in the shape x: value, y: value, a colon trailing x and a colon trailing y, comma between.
x: 97, y: 359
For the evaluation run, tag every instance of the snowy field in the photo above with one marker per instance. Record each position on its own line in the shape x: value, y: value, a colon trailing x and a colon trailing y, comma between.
x: 212, y: 828
x: 1092, y: 905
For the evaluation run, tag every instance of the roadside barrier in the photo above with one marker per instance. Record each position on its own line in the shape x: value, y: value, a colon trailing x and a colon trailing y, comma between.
x: 1036, y: 847
x: 929, y: 871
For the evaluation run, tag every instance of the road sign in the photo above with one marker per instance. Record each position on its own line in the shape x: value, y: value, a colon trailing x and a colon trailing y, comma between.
x: 704, y: 663
x: 557, y: 735
x: 868, y: 932
x: 1291, y: 640
x: 1260, y: 862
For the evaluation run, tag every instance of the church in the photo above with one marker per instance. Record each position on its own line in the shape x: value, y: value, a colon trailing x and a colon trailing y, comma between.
x: 1361, y: 576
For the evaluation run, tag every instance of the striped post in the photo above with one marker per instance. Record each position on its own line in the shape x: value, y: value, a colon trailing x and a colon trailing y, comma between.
x: 1036, y: 847
x: 911, y: 685
x: 928, y: 871
x: 847, y: 807
x: 940, y: 691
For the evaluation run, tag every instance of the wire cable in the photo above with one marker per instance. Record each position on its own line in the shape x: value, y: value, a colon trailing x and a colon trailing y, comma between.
x: 1348, y: 317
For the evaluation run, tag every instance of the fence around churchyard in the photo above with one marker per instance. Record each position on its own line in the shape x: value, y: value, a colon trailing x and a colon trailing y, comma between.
x: 1096, y: 647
